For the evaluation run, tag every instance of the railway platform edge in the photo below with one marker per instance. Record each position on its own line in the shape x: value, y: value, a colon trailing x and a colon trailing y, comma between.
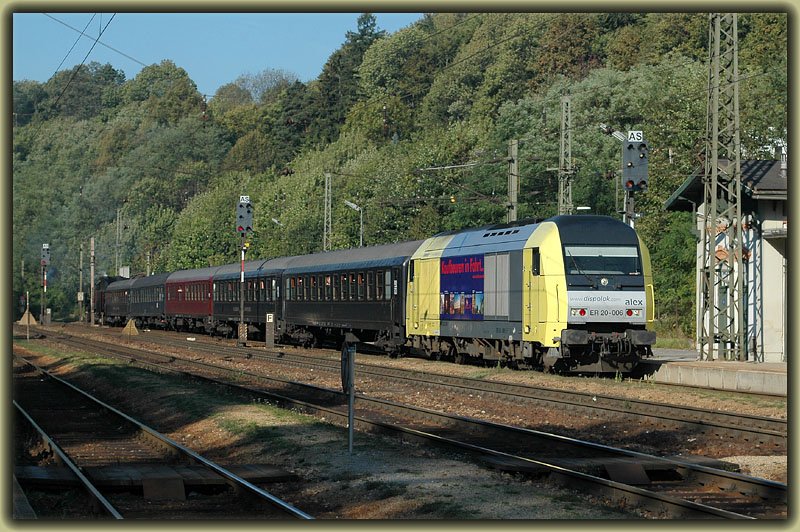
x: 681, y: 367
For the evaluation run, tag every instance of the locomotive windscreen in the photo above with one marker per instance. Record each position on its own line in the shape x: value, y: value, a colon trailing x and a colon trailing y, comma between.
x: 607, y: 260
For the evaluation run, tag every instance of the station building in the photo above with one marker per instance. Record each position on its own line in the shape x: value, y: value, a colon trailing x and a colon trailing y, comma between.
x: 764, y: 212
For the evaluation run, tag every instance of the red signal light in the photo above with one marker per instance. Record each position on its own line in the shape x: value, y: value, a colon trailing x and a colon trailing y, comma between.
x: 582, y: 312
x: 630, y: 312
x: 629, y: 184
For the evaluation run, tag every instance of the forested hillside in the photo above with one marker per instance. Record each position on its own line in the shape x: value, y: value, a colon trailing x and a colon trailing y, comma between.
x: 153, y: 169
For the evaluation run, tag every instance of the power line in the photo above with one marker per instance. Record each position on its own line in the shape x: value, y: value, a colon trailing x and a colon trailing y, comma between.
x: 73, y: 45
x: 97, y: 41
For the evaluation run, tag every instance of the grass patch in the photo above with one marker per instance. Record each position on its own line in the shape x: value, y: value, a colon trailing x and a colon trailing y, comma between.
x: 444, y: 510
x: 668, y: 338
x: 379, y: 490
x: 271, y: 437
x: 482, y: 373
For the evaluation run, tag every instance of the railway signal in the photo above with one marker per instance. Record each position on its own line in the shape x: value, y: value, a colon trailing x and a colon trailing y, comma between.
x: 244, y: 216
x: 634, y: 162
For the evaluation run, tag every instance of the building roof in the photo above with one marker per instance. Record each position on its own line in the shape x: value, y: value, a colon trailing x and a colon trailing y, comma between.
x: 760, y: 180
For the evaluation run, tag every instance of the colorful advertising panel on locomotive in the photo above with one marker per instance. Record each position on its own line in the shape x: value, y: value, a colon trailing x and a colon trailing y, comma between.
x: 461, y: 286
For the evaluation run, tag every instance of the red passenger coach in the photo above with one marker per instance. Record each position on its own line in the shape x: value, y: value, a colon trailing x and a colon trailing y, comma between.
x: 189, y: 305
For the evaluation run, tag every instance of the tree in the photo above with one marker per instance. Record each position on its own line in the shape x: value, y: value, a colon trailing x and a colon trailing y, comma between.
x: 338, y: 83
x: 166, y: 92
x: 82, y: 92
x: 267, y: 84
x: 28, y: 96
x: 229, y: 96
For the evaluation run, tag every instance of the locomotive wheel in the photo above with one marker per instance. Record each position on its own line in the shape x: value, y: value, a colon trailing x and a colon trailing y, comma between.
x: 451, y: 353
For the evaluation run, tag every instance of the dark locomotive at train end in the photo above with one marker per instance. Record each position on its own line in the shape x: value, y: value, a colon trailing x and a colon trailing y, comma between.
x: 566, y: 294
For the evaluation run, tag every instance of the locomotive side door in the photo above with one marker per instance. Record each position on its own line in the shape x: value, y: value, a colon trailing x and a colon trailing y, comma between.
x: 423, y: 301
x: 534, y: 301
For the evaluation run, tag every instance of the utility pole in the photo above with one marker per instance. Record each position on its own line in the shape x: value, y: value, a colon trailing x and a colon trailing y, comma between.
x: 116, y: 247
x: 565, y: 168
x: 326, y: 227
x: 721, y: 323
x: 513, y: 179
x: 91, y: 274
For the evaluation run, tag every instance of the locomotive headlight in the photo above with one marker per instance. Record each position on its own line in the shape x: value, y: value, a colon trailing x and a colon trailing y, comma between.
x: 578, y: 312
x: 634, y: 312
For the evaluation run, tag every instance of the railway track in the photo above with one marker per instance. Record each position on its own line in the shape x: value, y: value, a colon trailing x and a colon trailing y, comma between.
x: 766, y: 432
x: 107, y: 454
x: 662, y: 487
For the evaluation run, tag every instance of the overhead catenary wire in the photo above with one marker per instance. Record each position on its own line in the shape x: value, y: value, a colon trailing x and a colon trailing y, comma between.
x: 98, y: 41
x: 73, y: 45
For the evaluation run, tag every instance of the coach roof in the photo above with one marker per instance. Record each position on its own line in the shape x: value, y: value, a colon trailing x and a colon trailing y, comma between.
x: 193, y: 275
x: 231, y: 271
x: 157, y: 279
x: 343, y: 259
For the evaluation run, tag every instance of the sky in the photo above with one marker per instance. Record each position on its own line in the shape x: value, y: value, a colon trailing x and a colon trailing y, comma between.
x: 213, y: 48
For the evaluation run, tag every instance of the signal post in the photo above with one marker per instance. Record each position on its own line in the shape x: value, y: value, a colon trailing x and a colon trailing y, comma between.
x: 244, y: 225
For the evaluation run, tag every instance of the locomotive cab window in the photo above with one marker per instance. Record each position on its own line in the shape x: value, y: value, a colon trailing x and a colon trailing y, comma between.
x: 536, y: 262
x: 607, y: 260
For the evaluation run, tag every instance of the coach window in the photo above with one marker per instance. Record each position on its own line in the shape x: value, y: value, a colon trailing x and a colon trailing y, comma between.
x: 313, y: 288
x: 328, y: 288
x: 388, y: 286
x: 379, y: 285
x: 370, y: 286
x: 274, y: 289
x: 352, y: 294
x: 320, y: 288
x: 360, y: 282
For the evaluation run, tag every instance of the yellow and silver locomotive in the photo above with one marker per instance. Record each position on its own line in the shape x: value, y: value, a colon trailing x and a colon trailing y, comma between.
x: 568, y: 294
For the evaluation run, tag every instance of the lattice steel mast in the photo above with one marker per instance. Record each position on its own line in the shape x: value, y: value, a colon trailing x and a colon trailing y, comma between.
x: 721, y: 327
